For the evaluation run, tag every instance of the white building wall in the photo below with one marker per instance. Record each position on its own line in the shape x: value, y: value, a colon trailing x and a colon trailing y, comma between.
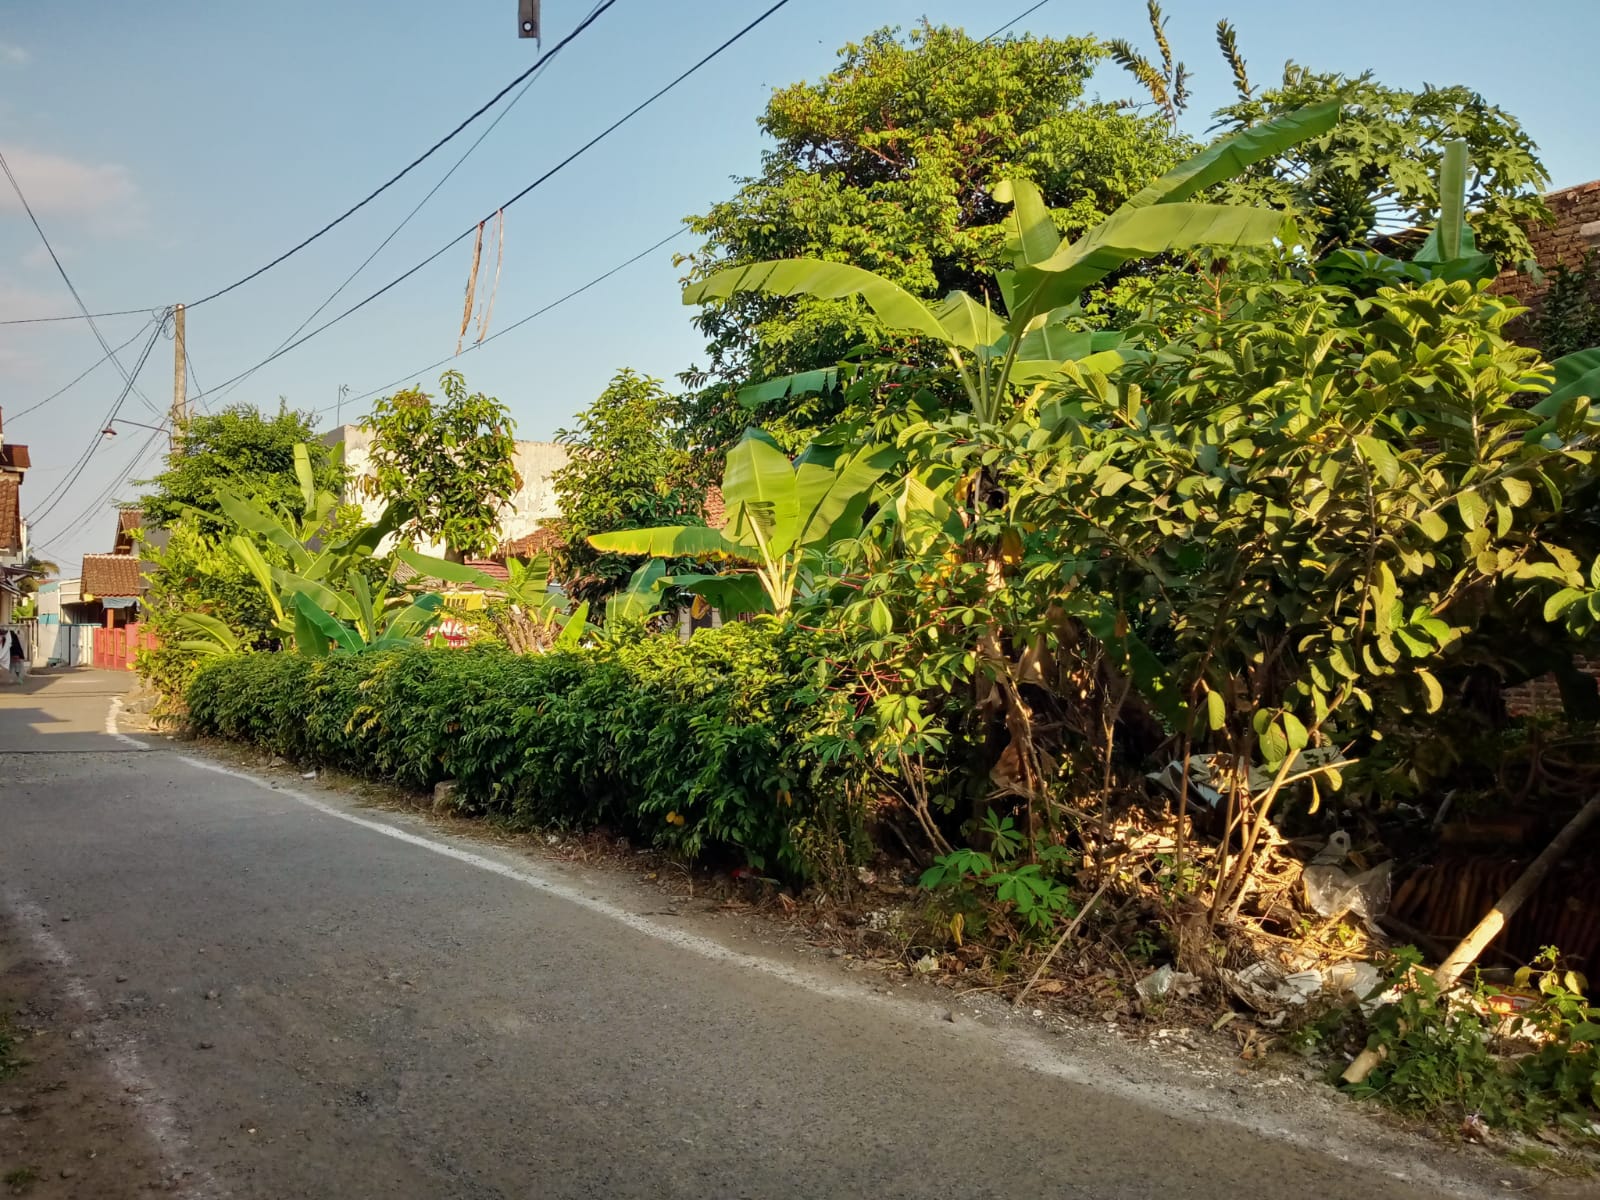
x: 533, y: 502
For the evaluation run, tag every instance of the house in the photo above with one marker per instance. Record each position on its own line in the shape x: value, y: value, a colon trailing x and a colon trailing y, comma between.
x: 14, y: 464
x: 533, y: 503
x: 111, y: 585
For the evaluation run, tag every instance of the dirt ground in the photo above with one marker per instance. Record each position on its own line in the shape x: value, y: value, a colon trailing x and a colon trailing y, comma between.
x: 68, y: 1131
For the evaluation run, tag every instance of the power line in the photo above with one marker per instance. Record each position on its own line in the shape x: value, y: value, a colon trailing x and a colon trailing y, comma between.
x: 97, y: 362
x: 67, y: 279
x: 54, y: 497
x: 594, y: 16
x: 471, y: 229
x: 531, y: 78
x: 578, y: 291
x: 99, y: 501
x: 120, y: 312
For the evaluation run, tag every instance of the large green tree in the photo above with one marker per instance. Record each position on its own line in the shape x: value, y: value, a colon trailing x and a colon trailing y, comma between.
x: 244, y: 450
x: 447, y: 464
x: 889, y: 163
x: 624, y: 470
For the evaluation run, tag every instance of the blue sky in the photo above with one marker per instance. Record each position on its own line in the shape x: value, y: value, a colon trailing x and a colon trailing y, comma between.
x: 171, y: 148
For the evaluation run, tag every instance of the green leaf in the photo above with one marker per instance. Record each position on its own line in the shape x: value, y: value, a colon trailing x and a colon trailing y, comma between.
x: 572, y: 632
x: 968, y: 323
x: 254, y: 518
x: 308, y: 481
x: 733, y: 595
x: 1560, y: 602
x: 759, y: 489
x: 326, y: 628
x: 801, y: 383
x: 1227, y: 157
x: 1433, y: 526
x: 1294, y: 731
x: 1031, y: 235
x: 879, y: 617
x: 1216, y: 710
x: 1131, y: 234
x: 895, y: 307
x: 670, y: 541
x: 1474, y: 511
x: 1377, y: 452
x: 1431, y: 686
x: 445, y: 571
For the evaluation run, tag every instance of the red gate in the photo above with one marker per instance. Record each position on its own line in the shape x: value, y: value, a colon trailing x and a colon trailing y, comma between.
x: 115, y: 649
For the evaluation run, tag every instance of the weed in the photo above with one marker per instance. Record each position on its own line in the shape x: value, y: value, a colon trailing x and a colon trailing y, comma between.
x: 20, y: 1178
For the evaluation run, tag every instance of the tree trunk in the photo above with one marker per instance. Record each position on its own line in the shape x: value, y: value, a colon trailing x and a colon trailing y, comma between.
x: 1464, y: 955
x: 451, y: 554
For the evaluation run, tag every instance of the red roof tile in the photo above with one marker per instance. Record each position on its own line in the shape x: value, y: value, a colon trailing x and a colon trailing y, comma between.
x: 15, y: 457
x: 541, y: 541
x: 716, y: 508
x: 111, y: 575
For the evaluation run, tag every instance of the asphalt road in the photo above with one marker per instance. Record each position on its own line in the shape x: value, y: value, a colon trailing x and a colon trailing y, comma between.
x: 311, y: 999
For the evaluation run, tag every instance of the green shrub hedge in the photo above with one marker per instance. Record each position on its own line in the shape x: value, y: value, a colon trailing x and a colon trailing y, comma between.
x: 697, y: 746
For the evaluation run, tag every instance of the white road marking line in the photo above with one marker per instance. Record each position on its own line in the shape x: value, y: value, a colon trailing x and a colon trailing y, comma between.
x: 1192, y: 1105
x: 111, y: 725
x: 154, y: 1109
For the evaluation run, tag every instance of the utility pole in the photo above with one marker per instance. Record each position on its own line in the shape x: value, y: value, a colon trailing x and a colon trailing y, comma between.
x: 338, y: 408
x: 180, y: 379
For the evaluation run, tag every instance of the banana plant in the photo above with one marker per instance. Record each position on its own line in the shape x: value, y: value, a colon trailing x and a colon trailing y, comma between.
x: 994, y: 355
x: 781, y: 514
x: 534, y: 604
x: 378, y: 625
x: 205, y: 634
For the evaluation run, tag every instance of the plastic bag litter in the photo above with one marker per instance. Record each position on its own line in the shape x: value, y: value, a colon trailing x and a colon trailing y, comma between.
x: 1331, y: 891
x: 1267, y: 988
x: 1164, y: 982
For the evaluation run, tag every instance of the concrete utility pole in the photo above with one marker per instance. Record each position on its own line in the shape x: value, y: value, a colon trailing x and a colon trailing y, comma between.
x: 180, y: 379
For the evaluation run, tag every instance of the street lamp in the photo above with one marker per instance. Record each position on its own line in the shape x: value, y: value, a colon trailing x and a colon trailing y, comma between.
x: 109, y: 432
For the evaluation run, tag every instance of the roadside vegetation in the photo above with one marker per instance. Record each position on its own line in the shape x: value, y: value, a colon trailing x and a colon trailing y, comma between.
x: 1127, y: 542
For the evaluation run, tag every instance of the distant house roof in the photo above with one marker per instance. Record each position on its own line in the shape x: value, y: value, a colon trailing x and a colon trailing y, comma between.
x: 541, y: 541
x: 128, y: 521
x: 716, y: 508
x: 10, y: 515
x: 111, y: 575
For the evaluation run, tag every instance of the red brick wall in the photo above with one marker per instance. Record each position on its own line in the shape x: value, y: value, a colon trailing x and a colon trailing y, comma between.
x: 1561, y: 243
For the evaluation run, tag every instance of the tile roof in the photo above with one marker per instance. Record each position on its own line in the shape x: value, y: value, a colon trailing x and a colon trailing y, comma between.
x: 716, y: 508
x: 15, y: 457
x: 111, y: 575
x: 541, y: 541
x: 10, y: 515
x: 128, y: 520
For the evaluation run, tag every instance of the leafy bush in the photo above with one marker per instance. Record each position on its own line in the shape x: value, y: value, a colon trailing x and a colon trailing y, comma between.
x: 1447, y: 1060
x: 691, y: 745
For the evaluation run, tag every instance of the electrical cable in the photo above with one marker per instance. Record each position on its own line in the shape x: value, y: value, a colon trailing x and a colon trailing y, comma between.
x: 578, y: 291
x: 54, y: 497
x: 97, y: 362
x: 95, y: 505
x: 67, y: 279
x: 531, y: 78
x: 120, y: 312
x: 470, y: 230
x: 594, y: 16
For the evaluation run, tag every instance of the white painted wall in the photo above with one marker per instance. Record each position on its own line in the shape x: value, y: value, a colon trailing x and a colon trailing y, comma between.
x: 534, y: 501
